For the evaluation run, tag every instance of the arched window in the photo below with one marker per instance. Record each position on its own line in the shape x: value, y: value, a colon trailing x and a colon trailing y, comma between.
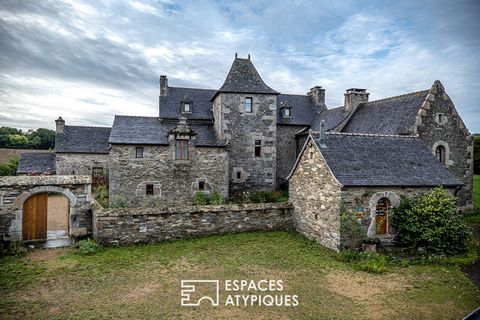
x: 440, y: 154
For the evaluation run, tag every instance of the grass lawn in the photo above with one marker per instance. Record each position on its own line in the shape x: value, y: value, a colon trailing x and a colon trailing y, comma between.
x: 476, y: 191
x: 143, y: 282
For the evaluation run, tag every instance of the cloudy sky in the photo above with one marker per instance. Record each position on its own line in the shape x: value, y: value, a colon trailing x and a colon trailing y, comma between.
x: 89, y: 60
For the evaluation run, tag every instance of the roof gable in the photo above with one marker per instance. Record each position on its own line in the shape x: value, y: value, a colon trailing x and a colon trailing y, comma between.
x: 36, y: 162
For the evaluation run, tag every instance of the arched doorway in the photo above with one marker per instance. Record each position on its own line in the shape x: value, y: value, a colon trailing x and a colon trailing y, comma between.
x: 381, y: 217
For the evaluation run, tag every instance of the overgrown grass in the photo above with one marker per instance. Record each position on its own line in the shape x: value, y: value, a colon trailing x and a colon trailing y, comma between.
x: 476, y: 192
x: 143, y: 281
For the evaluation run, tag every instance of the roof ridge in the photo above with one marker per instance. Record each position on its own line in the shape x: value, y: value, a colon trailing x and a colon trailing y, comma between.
x: 192, y: 88
x: 89, y: 127
x: 126, y: 115
x: 368, y: 134
x: 398, y: 96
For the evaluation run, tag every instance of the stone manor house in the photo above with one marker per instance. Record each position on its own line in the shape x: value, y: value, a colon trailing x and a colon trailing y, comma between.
x: 246, y: 136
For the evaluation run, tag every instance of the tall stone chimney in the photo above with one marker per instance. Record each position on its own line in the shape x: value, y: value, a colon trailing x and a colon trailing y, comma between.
x: 354, y: 97
x: 317, y: 95
x: 59, y: 125
x: 163, y: 86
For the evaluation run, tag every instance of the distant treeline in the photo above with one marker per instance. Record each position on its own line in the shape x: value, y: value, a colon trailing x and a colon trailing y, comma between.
x: 32, y: 139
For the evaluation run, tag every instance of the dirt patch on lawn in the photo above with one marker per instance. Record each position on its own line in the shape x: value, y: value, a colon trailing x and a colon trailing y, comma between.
x: 46, y: 254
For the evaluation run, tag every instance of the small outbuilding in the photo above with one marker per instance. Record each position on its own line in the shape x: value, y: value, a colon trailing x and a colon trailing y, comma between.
x: 361, y: 174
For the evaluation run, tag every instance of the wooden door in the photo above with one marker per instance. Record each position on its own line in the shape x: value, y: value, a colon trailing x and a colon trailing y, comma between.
x: 381, y: 218
x: 34, y: 221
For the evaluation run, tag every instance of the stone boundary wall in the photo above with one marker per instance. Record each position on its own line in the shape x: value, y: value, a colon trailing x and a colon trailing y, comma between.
x: 143, y: 225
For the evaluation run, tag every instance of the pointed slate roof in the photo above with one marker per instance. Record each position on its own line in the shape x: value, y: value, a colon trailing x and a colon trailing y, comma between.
x: 383, y: 160
x: 395, y: 115
x: 36, y: 163
x: 244, y: 78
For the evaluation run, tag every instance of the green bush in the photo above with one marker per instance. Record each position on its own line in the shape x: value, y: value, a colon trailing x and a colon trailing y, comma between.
x: 200, y: 199
x: 9, y: 167
x: 261, y: 197
x: 372, y: 263
x: 100, y: 193
x: 431, y: 221
x: 216, y: 198
x: 351, y: 228
x: 88, y: 246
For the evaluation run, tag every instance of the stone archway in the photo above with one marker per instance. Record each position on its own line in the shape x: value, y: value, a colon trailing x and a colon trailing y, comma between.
x: 394, y: 201
x: 444, y: 145
x: 16, y: 190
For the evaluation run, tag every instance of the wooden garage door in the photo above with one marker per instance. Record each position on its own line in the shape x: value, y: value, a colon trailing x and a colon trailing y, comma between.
x: 34, y: 222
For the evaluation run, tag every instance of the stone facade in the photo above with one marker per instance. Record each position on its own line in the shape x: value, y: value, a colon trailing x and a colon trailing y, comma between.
x: 14, y: 191
x: 316, y: 198
x: 287, y: 150
x: 439, y: 124
x: 142, y: 225
x: 80, y: 163
x: 174, y: 181
x: 242, y: 129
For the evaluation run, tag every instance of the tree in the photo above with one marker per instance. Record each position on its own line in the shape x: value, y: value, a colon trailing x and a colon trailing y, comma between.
x: 9, y: 168
x: 431, y: 221
x: 32, y: 139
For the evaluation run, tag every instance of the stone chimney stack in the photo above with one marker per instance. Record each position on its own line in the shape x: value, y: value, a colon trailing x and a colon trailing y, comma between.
x: 163, y: 86
x: 354, y: 97
x: 60, y: 125
x: 317, y: 95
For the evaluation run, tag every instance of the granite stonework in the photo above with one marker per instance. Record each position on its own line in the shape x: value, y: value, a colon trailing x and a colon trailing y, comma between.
x: 143, y: 225
x: 316, y: 197
x: 15, y: 190
x: 80, y: 163
x: 175, y: 182
x: 287, y: 150
x: 241, y: 129
x: 439, y: 124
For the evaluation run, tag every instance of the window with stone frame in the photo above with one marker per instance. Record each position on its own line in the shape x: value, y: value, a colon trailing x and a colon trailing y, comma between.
x: 258, y: 148
x: 201, y: 185
x: 239, y: 174
x: 440, y: 153
x: 97, y: 172
x: 149, y: 189
x: 248, y: 105
x: 181, y: 149
x: 138, y: 152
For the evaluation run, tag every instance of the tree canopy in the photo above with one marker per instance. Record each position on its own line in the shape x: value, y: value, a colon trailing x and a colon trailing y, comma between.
x: 32, y: 139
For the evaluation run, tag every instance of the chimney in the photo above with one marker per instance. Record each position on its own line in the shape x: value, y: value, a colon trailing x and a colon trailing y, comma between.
x: 60, y: 125
x: 354, y: 97
x: 163, y: 86
x: 317, y: 95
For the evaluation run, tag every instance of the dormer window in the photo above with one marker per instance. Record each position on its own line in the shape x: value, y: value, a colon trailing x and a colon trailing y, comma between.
x: 287, y: 112
x: 187, y: 107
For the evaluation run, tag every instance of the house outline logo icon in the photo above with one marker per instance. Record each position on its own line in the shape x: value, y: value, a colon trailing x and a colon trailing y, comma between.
x: 189, y: 287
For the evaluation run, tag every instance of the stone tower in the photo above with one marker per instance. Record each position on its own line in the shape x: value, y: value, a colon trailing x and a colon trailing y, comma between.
x: 244, y: 109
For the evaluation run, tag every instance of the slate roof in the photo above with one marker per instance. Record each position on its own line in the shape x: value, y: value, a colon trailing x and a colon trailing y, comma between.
x: 202, y: 106
x: 78, y: 139
x: 152, y: 131
x: 303, y: 110
x: 331, y: 118
x: 36, y: 162
x: 395, y: 115
x: 244, y: 78
x: 372, y: 160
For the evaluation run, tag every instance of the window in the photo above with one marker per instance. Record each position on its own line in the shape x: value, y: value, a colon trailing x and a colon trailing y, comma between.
x: 187, y: 107
x: 287, y: 112
x: 201, y: 185
x: 239, y: 175
x: 139, y: 152
x: 440, y: 154
x: 181, y: 150
x: 258, y: 148
x: 97, y: 172
x: 248, y: 105
x: 149, y: 189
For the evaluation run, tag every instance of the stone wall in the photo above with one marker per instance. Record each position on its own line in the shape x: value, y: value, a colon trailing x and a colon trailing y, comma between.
x: 241, y: 129
x: 14, y: 191
x: 316, y: 197
x: 174, y: 181
x: 80, y: 163
x: 450, y: 132
x: 142, y: 225
x: 286, y: 151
